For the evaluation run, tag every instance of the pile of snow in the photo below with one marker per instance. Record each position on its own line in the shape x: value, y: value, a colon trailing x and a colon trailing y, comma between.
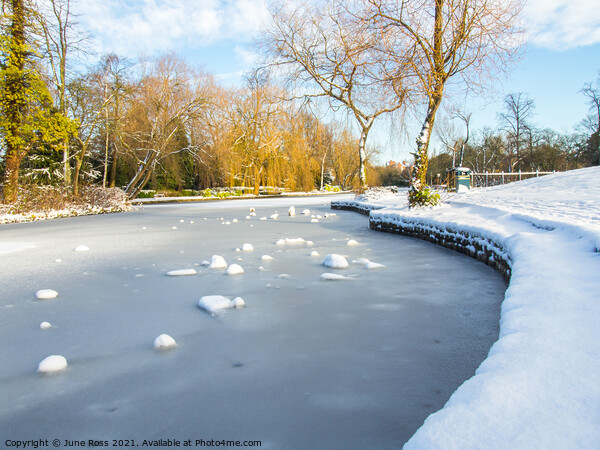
x: 314, y: 253
x: 52, y: 364
x: 216, y: 303
x: 247, y: 247
x: 217, y: 262
x: 181, y: 273
x: 291, y: 241
x: 267, y: 258
x: 274, y: 216
x: 306, y: 212
x: 292, y: 211
x: 235, y: 269
x: 540, y: 384
x: 81, y: 248
x: 374, y: 265
x: 164, y: 342
x: 361, y: 261
x: 46, y: 294
x: 45, y: 325
x: 334, y: 277
x: 335, y: 261
x: 352, y: 243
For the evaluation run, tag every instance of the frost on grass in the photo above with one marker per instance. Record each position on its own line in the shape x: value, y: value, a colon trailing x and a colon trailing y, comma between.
x: 216, y: 303
x: 235, y: 269
x: 52, y: 364
x: 46, y: 294
x: 217, y: 262
x: 181, y: 272
x: 352, y: 243
x: 334, y: 277
x: 81, y: 248
x: 247, y: 247
x: 164, y: 342
x: 335, y: 261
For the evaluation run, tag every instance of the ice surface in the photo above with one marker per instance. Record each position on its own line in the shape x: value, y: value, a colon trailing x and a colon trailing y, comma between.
x: 46, y: 294
x: 217, y: 262
x: 335, y: 261
x: 52, y: 364
x: 9, y: 247
x: 235, y: 269
x: 164, y: 342
x: 181, y: 272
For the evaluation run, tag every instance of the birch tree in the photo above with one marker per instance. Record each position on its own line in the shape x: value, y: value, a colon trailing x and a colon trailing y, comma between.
x: 436, y: 41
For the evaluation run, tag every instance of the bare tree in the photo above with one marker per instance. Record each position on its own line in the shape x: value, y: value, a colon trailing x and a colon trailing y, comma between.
x: 329, y: 50
x: 516, y: 121
x: 434, y: 41
x: 592, y: 92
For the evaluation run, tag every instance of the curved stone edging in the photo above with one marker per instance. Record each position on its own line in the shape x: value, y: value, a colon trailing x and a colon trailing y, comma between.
x: 479, y: 247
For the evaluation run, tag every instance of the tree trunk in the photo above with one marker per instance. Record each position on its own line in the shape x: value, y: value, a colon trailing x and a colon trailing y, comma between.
x: 362, y: 153
x: 142, y: 173
x: 113, y: 166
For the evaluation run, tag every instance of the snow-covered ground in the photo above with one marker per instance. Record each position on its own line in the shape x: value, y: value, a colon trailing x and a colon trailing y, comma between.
x: 539, y: 387
x: 148, y: 341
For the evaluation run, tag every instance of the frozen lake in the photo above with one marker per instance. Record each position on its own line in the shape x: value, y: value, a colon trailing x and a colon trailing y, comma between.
x: 357, y: 363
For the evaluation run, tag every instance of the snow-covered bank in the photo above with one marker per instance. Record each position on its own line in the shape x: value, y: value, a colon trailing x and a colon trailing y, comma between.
x: 540, y: 384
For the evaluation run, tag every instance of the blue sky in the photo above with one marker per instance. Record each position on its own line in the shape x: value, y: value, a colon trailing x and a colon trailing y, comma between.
x: 562, y: 54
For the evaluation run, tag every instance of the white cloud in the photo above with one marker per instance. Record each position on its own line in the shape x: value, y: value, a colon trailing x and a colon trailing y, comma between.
x: 153, y: 26
x: 563, y: 24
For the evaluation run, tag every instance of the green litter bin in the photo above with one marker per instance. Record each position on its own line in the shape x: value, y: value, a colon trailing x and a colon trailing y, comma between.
x: 462, y: 179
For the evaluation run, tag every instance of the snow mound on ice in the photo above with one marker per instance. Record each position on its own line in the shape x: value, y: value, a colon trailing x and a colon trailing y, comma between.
x: 46, y: 294
x: 314, y: 220
x: 52, y: 364
x: 181, y: 272
x: 306, y: 212
x: 274, y: 216
x: 361, y: 261
x: 267, y: 258
x: 45, y: 325
x: 238, y: 302
x: 291, y: 241
x: 284, y: 276
x: 334, y: 277
x: 335, y: 261
x: 164, y: 342
x: 352, y: 243
x: 292, y: 211
x: 314, y: 253
x: 235, y: 269
x: 374, y: 265
x: 81, y: 248
x: 217, y: 262
x: 247, y: 247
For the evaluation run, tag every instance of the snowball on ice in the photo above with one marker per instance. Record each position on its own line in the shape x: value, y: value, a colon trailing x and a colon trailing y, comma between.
x: 164, y: 342
x: 267, y: 258
x: 309, y: 243
x: 45, y: 325
x: 52, y: 364
x: 238, y: 302
x: 374, y: 265
x: 292, y: 211
x: 234, y: 221
x: 181, y: 272
x: 46, y: 294
x: 284, y: 276
x: 306, y: 212
x: 247, y: 217
x: 335, y: 261
x: 217, y: 262
x: 252, y: 214
x: 352, y: 243
x: 247, y: 247
x: 361, y: 261
x: 314, y: 253
x: 314, y: 220
x: 274, y: 216
x: 205, y: 263
x: 181, y: 221
x: 173, y: 228
x: 334, y: 277
x: 81, y: 248
x: 263, y: 218
x: 235, y: 269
